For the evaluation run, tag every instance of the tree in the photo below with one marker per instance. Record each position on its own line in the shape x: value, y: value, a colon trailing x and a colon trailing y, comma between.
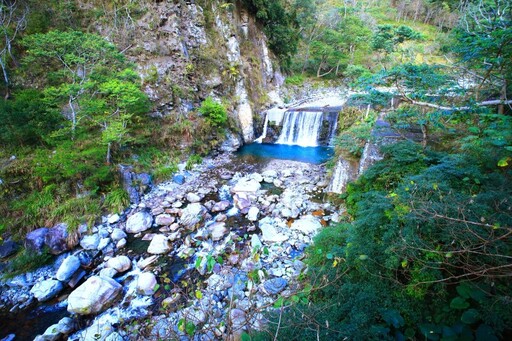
x: 86, y: 76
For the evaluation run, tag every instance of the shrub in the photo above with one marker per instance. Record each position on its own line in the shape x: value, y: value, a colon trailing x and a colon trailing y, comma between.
x: 215, y: 113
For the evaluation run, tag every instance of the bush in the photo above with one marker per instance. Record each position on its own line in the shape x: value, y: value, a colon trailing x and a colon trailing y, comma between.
x: 215, y: 113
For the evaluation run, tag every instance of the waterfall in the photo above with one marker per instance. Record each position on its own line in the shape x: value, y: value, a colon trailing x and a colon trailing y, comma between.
x: 264, y: 133
x: 301, y: 128
x: 344, y: 172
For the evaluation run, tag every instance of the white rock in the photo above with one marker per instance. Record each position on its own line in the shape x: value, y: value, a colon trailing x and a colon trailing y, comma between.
x: 193, y: 197
x: 192, y: 215
x: 108, y: 272
x: 146, y: 283
x: 90, y: 242
x: 159, y: 245
x: 114, y: 218
x: 270, y: 234
x: 93, y: 296
x: 257, y: 177
x: 164, y: 219
x: 306, y: 224
x: 218, y: 231
x: 47, y: 289
x: 103, y: 243
x: 57, y: 331
x: 252, y: 215
x: 117, y: 234
x: 269, y: 174
x: 256, y: 242
x: 120, y: 263
x: 139, y: 222
x: 144, y: 263
x: 246, y: 185
x: 68, y: 268
x: 121, y: 243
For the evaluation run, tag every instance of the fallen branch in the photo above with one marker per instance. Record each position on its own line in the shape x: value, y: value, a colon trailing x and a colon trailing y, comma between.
x: 441, y: 107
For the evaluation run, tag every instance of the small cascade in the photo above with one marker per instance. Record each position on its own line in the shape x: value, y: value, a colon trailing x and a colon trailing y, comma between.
x: 344, y: 172
x: 301, y: 128
x: 370, y: 155
x: 264, y: 133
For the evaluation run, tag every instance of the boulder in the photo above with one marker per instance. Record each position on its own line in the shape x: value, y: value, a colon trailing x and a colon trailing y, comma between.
x: 8, y: 248
x: 120, y: 263
x: 246, y: 185
x: 270, y: 234
x: 242, y: 201
x: 94, y: 296
x: 306, y: 224
x: 47, y: 289
x: 221, y: 206
x: 114, y: 218
x: 35, y: 240
x: 58, y: 330
x: 218, y: 231
x: 108, y: 272
x: 139, y: 222
x: 90, y: 242
x: 193, y: 197
x: 275, y: 285
x: 192, y: 215
x: 164, y: 219
x: 57, y: 239
x: 159, y: 245
x: 179, y: 179
x: 117, y: 234
x: 146, y: 283
x: 252, y: 215
x: 121, y: 243
x: 68, y: 268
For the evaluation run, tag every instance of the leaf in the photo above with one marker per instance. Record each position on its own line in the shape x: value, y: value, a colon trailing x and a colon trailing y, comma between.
x: 190, y: 328
x: 363, y: 257
x: 474, y: 130
x: 464, y: 290
x: 459, y: 303
x: 198, y: 294
x: 470, y: 316
x: 245, y: 337
x: 485, y: 333
x: 503, y: 162
x: 329, y: 256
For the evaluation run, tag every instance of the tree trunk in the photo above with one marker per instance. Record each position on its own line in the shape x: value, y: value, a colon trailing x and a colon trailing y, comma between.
x: 109, y: 156
x: 503, y: 97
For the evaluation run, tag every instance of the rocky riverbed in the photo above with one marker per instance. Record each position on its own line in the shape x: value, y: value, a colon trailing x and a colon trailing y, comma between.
x: 201, y: 257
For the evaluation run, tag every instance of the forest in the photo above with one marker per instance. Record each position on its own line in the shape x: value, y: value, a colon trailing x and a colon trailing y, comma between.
x: 423, y: 250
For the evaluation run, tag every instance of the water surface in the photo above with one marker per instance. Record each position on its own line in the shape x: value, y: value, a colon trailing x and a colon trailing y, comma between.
x: 261, y: 151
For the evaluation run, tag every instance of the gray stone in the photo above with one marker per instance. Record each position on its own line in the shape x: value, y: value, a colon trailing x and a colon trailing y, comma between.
x: 103, y: 243
x: 114, y: 218
x: 252, y: 215
x: 193, y: 197
x: 275, y: 285
x: 8, y: 248
x: 270, y: 234
x: 35, y: 240
x: 164, y: 219
x: 120, y: 263
x: 159, y: 245
x: 221, y: 206
x: 108, y: 272
x: 139, y: 222
x: 94, y: 296
x: 269, y: 174
x: 192, y: 215
x: 218, y: 231
x: 146, y: 283
x: 68, y: 267
x: 179, y: 179
x: 117, y: 234
x: 256, y: 242
x: 47, y: 289
x: 57, y: 239
x: 246, y: 185
x: 121, y: 243
x: 307, y: 224
x: 57, y: 331
x: 90, y: 242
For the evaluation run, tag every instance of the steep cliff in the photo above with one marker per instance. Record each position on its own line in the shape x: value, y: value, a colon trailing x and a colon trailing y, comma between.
x: 186, y: 51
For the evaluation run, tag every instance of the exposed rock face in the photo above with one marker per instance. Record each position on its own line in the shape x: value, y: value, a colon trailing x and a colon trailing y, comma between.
x: 139, y: 222
x: 94, y: 296
x: 344, y: 172
x: 35, y: 239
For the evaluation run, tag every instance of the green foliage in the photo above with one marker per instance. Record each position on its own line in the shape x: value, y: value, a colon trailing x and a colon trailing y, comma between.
x: 193, y: 159
x: 388, y: 37
x: 26, y: 261
x: 116, y: 200
x: 215, y: 113
x: 295, y: 80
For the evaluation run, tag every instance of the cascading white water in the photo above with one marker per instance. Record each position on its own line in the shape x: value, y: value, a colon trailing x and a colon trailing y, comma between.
x: 301, y: 128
